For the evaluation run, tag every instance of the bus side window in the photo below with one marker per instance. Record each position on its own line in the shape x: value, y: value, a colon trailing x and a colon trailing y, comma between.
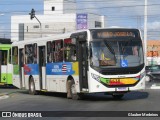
x: 49, y: 52
x: 135, y: 50
x: 15, y: 55
x: 70, y: 51
x: 52, y: 51
x: 29, y: 54
x: 58, y: 54
x: 10, y: 56
x: 4, y: 57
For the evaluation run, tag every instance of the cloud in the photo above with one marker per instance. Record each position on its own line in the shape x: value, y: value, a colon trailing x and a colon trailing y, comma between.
x: 1, y: 28
x: 153, y: 25
x: 115, y: 7
x: 2, y: 14
x: 2, y: 31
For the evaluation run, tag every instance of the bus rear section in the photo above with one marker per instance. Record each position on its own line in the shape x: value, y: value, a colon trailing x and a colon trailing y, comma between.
x: 5, y: 65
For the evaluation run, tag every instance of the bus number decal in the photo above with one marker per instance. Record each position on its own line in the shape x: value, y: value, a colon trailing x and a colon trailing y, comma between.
x: 115, y: 81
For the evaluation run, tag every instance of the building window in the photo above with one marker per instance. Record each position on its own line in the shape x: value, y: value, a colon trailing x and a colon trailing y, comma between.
x: 36, y: 26
x: 98, y: 24
x: 53, y: 8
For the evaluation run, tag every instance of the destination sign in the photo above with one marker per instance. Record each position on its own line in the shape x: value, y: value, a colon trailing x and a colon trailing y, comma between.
x: 110, y: 34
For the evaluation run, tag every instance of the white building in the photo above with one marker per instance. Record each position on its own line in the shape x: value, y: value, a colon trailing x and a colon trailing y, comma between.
x: 59, y: 17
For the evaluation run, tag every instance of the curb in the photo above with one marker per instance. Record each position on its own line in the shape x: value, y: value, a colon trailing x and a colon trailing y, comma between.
x: 2, y: 94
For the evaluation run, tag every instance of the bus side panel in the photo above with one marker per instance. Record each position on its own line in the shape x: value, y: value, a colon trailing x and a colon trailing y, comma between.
x: 139, y: 86
x: 57, y: 74
x: 4, y: 74
x: 95, y: 85
x: 44, y: 82
x: 9, y: 74
x: 16, y: 78
x: 26, y: 82
x: 36, y: 81
x: 56, y: 83
x: 32, y: 70
x: 51, y: 83
x: 23, y: 80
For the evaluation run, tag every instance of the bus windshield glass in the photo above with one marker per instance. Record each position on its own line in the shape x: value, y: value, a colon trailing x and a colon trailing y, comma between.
x: 116, y: 53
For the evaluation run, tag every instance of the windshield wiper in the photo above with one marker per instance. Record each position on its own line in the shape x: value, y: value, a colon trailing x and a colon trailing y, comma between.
x: 109, y: 47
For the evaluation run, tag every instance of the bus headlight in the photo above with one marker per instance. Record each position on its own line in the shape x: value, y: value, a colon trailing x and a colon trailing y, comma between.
x: 96, y: 77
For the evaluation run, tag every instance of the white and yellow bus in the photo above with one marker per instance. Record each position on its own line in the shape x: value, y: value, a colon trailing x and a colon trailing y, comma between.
x: 107, y: 61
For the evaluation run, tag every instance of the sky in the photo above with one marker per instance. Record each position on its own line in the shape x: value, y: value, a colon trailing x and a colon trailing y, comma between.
x: 120, y: 13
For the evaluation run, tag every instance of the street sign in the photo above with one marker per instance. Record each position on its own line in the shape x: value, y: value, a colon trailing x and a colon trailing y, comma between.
x: 81, y: 21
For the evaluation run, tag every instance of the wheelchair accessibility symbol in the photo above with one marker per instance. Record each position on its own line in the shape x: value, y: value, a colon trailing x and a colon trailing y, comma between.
x: 124, y: 63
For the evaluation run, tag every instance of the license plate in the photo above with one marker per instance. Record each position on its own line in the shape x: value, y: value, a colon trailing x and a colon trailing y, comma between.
x: 122, y: 89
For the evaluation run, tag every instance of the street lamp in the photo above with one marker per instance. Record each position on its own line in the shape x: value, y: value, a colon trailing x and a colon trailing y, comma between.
x: 33, y: 15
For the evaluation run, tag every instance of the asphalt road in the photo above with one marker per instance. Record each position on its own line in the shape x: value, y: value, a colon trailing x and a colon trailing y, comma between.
x: 20, y: 100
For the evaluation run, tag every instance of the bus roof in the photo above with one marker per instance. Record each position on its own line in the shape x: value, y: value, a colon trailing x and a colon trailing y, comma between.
x: 62, y: 36
x: 5, y: 41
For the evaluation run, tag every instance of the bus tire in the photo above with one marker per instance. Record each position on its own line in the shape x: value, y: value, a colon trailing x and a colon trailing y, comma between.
x: 32, y: 89
x: 117, y: 97
x: 71, y: 90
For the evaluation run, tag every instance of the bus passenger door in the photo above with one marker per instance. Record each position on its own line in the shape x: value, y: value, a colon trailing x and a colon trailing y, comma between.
x: 42, y: 69
x: 21, y: 68
x: 3, y: 66
x: 83, y: 65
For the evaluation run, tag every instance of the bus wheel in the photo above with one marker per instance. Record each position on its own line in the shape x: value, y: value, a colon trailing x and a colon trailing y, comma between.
x: 118, y: 96
x: 71, y: 90
x: 32, y: 90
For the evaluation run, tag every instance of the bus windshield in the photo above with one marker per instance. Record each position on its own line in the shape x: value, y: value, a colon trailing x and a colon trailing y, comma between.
x: 116, y: 53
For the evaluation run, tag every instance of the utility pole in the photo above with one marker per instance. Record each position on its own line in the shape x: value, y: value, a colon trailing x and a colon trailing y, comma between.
x: 33, y: 15
x: 145, y: 31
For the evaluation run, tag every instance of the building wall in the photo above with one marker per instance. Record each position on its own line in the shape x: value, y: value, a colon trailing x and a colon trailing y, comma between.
x: 61, y: 19
x: 34, y: 30
x: 61, y: 6
x: 57, y: 24
x: 153, y: 48
x: 92, y: 18
x: 153, y: 52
